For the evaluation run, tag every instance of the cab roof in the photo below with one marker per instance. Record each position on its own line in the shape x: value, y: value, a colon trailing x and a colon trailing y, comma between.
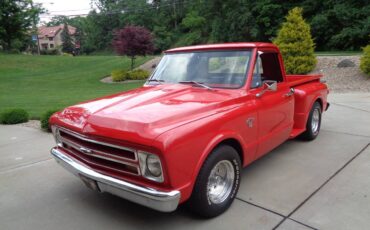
x: 223, y: 46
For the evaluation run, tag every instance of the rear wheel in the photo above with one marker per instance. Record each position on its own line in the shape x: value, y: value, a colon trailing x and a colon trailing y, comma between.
x: 313, y: 123
x: 217, y: 183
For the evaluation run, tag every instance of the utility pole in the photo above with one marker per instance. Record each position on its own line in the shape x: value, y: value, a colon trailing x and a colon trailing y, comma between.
x: 35, y: 30
x: 174, y: 12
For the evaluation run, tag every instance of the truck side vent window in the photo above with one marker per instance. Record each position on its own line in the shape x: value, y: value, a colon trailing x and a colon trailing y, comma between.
x: 257, y: 74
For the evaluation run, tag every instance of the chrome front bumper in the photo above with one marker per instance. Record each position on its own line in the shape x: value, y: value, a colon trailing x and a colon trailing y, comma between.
x: 152, y: 198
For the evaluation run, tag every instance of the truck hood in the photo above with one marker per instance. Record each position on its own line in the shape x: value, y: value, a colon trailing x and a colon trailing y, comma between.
x: 142, y: 114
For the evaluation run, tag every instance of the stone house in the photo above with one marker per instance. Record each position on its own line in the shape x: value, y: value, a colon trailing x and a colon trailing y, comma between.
x: 50, y: 37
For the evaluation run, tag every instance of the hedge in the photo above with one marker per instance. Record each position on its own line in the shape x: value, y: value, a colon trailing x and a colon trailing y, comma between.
x: 14, y: 116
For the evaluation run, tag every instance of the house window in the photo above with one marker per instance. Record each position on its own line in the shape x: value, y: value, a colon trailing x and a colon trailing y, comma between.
x: 50, y: 39
x: 51, y: 46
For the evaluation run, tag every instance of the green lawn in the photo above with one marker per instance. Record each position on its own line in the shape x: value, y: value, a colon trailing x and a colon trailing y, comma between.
x: 40, y: 83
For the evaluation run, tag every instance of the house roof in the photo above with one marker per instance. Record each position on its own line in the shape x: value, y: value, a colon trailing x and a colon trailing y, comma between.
x: 223, y: 46
x: 51, y: 31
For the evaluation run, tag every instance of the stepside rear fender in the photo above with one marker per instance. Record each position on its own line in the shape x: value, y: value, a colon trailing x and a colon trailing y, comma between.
x: 305, y: 96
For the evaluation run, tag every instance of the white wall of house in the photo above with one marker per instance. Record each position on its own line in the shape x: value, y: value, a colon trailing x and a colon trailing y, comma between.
x: 52, y: 43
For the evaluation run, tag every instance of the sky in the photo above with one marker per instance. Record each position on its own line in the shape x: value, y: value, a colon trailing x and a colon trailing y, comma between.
x: 63, y: 7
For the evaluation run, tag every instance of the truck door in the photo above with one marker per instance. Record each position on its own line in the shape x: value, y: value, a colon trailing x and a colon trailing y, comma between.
x: 275, y: 115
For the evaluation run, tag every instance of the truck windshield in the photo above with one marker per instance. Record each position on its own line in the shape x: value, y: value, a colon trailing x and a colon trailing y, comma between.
x: 210, y: 69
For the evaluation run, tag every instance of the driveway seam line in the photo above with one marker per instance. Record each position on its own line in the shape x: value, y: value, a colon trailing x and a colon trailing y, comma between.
x: 24, y: 165
x: 298, y: 222
x: 350, y: 107
x: 274, y: 212
x: 350, y: 134
x: 321, y: 186
x: 258, y: 206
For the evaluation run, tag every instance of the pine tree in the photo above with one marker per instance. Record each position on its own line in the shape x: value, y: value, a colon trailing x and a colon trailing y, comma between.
x: 78, y: 40
x: 296, y: 44
x: 67, y: 45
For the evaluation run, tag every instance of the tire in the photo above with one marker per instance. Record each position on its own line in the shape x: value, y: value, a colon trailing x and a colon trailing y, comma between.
x: 210, y: 197
x: 313, y: 123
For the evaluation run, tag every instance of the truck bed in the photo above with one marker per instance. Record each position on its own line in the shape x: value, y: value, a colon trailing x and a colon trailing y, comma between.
x: 296, y: 80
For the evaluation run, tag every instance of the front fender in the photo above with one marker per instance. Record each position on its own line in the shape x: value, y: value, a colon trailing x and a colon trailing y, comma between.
x: 185, y: 148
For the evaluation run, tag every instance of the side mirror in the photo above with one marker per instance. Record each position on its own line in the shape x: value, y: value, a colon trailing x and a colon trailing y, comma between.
x: 268, y: 86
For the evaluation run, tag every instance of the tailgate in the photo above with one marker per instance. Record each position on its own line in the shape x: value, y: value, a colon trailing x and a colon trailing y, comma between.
x: 296, y: 80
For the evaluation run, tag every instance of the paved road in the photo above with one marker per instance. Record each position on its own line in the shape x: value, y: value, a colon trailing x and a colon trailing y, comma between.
x: 322, y: 184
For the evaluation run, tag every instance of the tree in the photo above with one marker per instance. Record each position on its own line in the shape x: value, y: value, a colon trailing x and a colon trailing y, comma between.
x: 17, y: 17
x: 133, y: 41
x: 194, y: 23
x: 296, y: 44
x: 58, y: 20
x: 79, y: 39
x: 67, y: 43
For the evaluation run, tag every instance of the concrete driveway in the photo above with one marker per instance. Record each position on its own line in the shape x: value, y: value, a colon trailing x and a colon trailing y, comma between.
x: 322, y: 184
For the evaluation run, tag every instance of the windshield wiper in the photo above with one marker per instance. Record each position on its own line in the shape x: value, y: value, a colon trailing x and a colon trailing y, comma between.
x: 196, y: 83
x: 156, y: 80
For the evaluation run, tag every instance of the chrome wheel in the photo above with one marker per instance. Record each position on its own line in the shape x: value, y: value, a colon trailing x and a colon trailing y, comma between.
x: 220, y: 182
x: 315, y: 121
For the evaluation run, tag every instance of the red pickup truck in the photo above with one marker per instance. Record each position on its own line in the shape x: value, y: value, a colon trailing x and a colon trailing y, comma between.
x: 205, y: 112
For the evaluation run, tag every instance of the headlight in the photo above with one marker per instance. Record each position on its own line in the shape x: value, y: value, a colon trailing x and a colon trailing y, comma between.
x: 154, y: 165
x: 151, y: 167
x: 56, y: 135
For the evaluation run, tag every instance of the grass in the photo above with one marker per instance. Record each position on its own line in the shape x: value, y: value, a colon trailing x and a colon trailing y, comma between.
x: 41, y: 83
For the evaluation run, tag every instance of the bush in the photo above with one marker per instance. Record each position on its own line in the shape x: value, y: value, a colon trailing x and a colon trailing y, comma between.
x: 296, y: 44
x: 122, y: 75
x: 365, y: 61
x: 14, y: 116
x: 119, y: 75
x: 50, y: 52
x: 67, y: 55
x: 137, y: 74
x: 45, y: 119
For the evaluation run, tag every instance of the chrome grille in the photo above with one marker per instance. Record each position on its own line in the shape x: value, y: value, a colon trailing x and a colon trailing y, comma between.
x: 100, y: 155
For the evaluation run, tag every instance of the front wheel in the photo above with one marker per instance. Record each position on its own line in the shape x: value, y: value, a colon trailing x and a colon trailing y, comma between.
x: 313, y: 123
x: 217, y: 183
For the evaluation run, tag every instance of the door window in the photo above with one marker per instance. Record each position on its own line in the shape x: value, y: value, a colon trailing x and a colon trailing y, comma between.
x: 267, y: 67
x: 271, y: 67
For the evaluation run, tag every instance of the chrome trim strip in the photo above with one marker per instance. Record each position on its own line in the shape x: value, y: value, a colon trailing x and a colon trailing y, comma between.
x: 79, y: 136
x: 91, y: 153
x: 149, y: 197
x: 110, y: 168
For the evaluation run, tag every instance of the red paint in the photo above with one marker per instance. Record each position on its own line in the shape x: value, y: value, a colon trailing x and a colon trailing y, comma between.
x: 182, y: 124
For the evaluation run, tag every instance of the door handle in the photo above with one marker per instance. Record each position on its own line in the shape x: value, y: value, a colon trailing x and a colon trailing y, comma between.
x: 290, y: 93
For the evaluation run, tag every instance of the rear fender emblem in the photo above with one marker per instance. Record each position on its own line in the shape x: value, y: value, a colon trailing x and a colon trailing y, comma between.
x: 250, y: 121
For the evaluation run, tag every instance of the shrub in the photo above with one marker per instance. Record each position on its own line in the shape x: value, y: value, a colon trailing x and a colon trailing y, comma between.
x: 14, y: 116
x: 365, y: 61
x: 119, y: 75
x: 296, y: 44
x: 122, y: 75
x: 67, y: 55
x: 45, y: 119
x: 137, y: 74
x: 50, y: 52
